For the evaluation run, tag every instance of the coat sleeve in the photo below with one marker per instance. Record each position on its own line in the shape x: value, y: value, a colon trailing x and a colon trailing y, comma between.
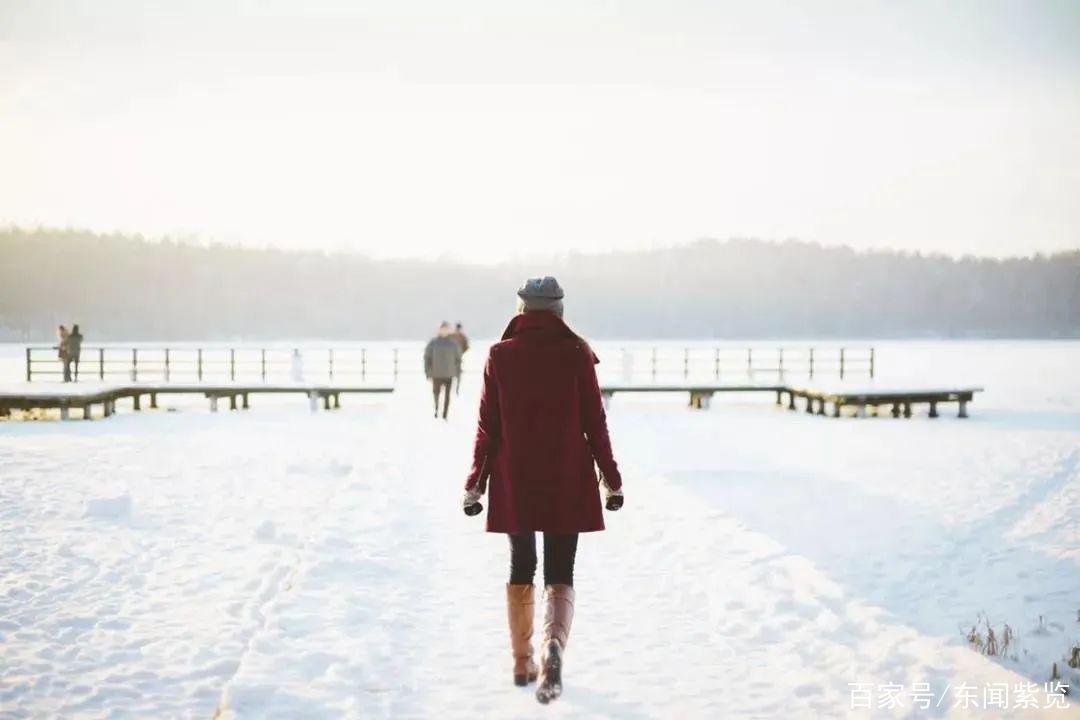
x: 594, y: 421
x: 427, y: 360
x: 487, y: 429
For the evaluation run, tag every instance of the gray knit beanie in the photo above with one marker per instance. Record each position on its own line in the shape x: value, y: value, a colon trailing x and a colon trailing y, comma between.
x: 541, y: 293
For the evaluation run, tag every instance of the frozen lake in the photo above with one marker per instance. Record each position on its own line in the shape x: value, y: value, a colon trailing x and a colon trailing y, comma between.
x: 279, y: 563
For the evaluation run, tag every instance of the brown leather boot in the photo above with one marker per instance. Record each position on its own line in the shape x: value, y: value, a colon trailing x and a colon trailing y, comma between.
x: 520, y: 607
x: 558, y: 616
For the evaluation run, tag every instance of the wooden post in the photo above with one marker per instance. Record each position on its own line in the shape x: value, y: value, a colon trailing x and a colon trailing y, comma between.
x: 809, y: 404
x: 896, y: 410
x: 86, y: 412
x: 199, y: 360
x: 331, y: 364
x: 811, y: 363
x: 166, y: 367
x: 101, y: 363
x: 821, y: 406
x: 232, y: 401
x: 779, y: 394
x: 213, y: 403
x: 262, y: 363
x: 836, y: 409
x: 963, y: 409
x: 326, y: 401
x: 153, y: 401
x: 136, y: 403
x: 65, y: 414
x: 933, y: 409
x: 871, y: 363
x: 134, y: 364
x: 791, y: 400
x: 313, y: 400
x: 841, y: 363
x: 232, y: 370
x: 247, y: 406
x: 29, y: 371
x: 907, y: 409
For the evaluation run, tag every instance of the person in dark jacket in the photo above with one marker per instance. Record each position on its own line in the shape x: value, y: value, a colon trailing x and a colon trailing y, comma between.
x: 442, y: 363
x: 63, y: 351
x: 75, y: 339
x: 463, y: 343
x: 541, y: 429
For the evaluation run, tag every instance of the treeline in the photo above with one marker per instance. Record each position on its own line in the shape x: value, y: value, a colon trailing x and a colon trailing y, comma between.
x: 122, y: 288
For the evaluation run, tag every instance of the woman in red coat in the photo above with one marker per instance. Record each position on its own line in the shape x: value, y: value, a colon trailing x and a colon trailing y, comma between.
x: 542, y: 427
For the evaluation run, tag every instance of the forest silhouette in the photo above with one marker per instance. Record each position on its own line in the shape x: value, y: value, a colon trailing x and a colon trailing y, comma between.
x: 129, y: 288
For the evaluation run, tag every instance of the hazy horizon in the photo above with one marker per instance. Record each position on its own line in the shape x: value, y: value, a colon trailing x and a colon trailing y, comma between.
x: 493, y: 133
x: 124, y: 287
x: 537, y: 260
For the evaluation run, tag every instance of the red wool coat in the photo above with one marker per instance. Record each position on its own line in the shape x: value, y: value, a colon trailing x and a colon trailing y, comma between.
x: 541, y: 427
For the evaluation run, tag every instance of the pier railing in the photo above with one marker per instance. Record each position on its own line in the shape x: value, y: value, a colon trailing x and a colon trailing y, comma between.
x: 219, y: 364
x: 766, y: 363
x: 386, y: 365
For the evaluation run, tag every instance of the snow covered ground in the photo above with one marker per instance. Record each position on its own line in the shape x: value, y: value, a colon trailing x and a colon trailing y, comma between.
x: 768, y: 564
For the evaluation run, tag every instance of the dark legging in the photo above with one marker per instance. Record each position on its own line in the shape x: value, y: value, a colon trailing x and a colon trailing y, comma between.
x: 559, y: 553
x: 443, y: 385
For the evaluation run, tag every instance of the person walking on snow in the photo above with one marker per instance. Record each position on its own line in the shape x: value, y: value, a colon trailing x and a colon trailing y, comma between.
x: 463, y: 343
x: 75, y: 340
x: 442, y: 363
x: 63, y: 351
x: 541, y: 428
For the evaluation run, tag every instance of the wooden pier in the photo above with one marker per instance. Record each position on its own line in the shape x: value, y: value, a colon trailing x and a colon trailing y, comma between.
x: 700, y: 395
x: 234, y: 374
x: 900, y: 401
x: 85, y: 399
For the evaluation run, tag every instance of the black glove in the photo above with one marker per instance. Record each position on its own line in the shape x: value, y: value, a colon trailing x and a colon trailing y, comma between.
x: 613, y: 499
x: 470, y: 502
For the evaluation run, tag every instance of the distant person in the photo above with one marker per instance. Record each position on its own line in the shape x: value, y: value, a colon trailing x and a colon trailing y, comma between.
x: 442, y: 363
x: 75, y: 339
x: 542, y: 427
x: 463, y: 343
x: 296, y: 367
x: 63, y: 351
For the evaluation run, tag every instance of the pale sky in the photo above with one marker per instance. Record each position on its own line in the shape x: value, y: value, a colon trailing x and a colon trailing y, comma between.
x: 492, y: 129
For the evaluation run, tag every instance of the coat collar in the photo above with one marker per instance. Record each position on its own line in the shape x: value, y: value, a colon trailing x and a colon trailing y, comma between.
x: 543, y: 321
